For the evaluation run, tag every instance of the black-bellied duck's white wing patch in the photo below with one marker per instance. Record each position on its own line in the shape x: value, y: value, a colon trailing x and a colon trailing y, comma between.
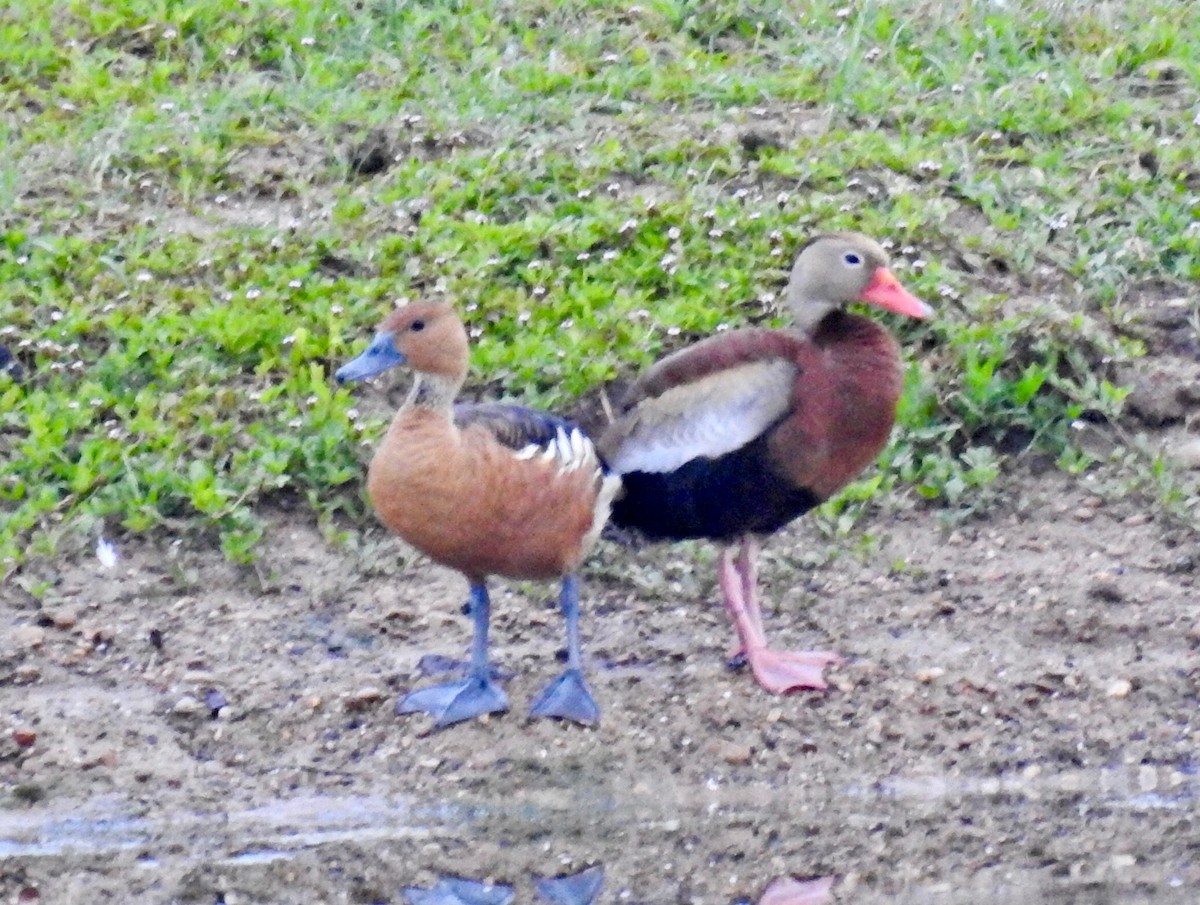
x: 705, y: 418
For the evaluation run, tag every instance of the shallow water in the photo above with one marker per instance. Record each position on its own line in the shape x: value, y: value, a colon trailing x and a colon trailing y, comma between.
x: 367, y: 848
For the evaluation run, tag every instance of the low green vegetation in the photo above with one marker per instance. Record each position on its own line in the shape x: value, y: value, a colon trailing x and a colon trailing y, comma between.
x: 205, y: 206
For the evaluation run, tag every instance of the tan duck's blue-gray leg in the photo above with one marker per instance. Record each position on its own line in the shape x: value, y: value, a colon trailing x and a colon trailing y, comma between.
x: 568, y: 697
x: 476, y: 695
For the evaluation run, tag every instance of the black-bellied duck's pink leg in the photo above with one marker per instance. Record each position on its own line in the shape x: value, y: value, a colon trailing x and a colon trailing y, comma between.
x: 776, y: 671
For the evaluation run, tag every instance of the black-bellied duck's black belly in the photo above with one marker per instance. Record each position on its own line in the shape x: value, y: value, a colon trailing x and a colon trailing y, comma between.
x: 721, y: 499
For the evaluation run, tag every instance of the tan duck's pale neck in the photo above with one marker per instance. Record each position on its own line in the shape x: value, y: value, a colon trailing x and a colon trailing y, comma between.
x: 434, y: 392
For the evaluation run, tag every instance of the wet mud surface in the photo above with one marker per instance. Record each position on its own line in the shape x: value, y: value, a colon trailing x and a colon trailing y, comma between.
x: 1016, y: 721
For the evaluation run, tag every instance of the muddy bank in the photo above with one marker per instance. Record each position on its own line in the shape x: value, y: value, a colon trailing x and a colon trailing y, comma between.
x: 1015, y: 722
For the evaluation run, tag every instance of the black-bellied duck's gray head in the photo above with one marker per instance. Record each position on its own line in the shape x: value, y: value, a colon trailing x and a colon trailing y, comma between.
x: 380, y: 356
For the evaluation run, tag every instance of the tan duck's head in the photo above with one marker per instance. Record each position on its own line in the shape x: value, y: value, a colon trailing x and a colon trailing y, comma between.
x: 426, y: 337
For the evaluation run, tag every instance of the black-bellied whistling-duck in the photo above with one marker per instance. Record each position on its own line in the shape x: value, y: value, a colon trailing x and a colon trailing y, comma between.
x: 487, y: 490
x: 740, y: 433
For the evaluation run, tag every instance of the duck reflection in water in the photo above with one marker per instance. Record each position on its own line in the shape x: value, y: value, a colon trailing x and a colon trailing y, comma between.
x: 584, y: 888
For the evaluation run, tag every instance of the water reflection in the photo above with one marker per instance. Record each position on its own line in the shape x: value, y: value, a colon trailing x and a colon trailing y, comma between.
x: 583, y: 888
x: 571, y: 838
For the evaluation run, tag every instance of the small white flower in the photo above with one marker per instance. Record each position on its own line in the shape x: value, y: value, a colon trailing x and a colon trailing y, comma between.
x: 307, y: 41
x: 294, y: 284
x: 106, y: 552
x: 335, y: 309
x: 253, y: 293
x: 673, y: 233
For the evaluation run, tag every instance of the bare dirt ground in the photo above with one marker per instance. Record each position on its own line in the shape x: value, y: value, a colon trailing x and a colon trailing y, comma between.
x: 1016, y: 721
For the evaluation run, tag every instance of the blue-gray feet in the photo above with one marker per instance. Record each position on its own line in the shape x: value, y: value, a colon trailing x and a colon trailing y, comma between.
x: 458, y: 891
x: 567, y: 698
x: 581, y: 889
x: 456, y: 701
x: 476, y: 695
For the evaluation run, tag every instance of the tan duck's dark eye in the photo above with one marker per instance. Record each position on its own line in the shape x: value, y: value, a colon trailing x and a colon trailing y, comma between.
x: 852, y: 259
x: 417, y: 326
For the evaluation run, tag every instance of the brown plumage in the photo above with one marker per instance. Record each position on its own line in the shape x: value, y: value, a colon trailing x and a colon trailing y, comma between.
x: 486, y: 490
x: 740, y: 433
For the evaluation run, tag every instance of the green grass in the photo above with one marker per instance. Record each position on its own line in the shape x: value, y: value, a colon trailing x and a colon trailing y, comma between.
x: 185, y: 253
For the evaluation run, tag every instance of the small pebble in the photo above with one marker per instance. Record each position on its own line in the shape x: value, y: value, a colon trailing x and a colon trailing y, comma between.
x: 733, y: 753
x: 1104, y: 587
x: 1136, y: 520
x: 1187, y: 454
x: 189, y: 706
x: 363, y: 699
x: 63, y: 618
x: 30, y: 636
x: 929, y: 674
x: 24, y: 737
x: 214, y: 701
x: 1119, y: 689
x: 1083, y: 514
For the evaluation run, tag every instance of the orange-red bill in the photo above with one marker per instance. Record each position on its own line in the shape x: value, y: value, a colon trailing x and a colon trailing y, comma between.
x: 886, y: 292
